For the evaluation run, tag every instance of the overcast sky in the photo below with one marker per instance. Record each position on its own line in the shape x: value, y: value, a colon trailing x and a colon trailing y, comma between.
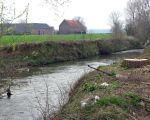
x: 94, y: 12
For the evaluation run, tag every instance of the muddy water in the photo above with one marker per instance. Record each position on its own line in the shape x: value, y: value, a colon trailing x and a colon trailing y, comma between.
x: 29, y: 94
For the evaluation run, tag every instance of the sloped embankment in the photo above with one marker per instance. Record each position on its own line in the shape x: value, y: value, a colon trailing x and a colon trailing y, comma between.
x: 125, y: 95
x: 39, y: 54
x: 102, y: 97
x: 50, y: 52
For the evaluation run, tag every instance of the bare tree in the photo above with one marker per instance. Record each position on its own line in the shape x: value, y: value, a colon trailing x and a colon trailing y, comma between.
x: 116, y: 25
x: 57, y: 5
x: 80, y: 19
x: 130, y: 20
x: 8, y: 16
x: 57, y: 2
x: 138, y: 18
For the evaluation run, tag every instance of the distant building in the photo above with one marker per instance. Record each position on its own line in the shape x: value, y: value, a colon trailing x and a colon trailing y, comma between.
x: 71, y: 27
x: 29, y: 28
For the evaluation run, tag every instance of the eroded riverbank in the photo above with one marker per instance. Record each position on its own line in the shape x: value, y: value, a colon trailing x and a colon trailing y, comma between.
x: 45, y: 53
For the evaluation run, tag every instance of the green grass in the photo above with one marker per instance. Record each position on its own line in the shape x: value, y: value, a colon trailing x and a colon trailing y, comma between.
x: 133, y: 99
x: 89, y: 87
x: 18, y: 39
x: 111, y: 100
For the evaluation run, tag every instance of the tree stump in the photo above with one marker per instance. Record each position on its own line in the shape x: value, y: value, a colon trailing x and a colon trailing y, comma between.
x: 135, y: 63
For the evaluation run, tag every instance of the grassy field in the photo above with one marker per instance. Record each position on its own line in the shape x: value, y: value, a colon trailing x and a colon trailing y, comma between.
x: 18, y: 39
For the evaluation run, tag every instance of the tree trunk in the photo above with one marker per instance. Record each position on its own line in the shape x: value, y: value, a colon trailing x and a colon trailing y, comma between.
x: 135, y: 63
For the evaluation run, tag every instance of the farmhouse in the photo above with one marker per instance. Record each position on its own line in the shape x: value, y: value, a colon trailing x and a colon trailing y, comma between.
x: 29, y: 28
x: 72, y: 27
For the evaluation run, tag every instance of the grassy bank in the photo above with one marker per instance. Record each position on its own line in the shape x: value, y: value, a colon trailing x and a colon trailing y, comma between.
x: 38, y: 54
x: 21, y: 39
x: 121, y: 99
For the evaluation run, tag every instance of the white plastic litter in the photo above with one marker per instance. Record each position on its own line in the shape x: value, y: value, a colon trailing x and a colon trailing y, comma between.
x: 96, y: 98
x: 89, y: 100
x: 105, y: 84
x: 83, y: 104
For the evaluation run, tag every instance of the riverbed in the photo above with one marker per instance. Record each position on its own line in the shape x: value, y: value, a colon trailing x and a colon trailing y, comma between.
x: 30, y: 92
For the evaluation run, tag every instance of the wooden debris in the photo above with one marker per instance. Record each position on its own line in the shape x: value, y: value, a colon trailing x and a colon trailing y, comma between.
x: 104, y: 72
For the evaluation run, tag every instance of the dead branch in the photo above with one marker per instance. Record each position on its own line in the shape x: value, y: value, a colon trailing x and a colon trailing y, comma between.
x: 104, y: 72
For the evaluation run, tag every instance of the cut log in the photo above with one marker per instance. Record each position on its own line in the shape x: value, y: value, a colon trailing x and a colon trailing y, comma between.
x: 135, y: 63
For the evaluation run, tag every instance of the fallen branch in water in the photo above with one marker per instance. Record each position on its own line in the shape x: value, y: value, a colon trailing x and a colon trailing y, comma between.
x: 104, y: 72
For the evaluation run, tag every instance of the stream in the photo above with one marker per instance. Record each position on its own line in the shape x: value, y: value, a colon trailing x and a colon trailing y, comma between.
x: 29, y: 92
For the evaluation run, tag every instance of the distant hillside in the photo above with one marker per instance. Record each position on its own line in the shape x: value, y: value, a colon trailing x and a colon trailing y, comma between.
x: 99, y: 31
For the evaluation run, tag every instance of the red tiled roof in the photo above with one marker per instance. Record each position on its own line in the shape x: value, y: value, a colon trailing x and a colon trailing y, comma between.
x: 73, y: 23
x: 71, y: 26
